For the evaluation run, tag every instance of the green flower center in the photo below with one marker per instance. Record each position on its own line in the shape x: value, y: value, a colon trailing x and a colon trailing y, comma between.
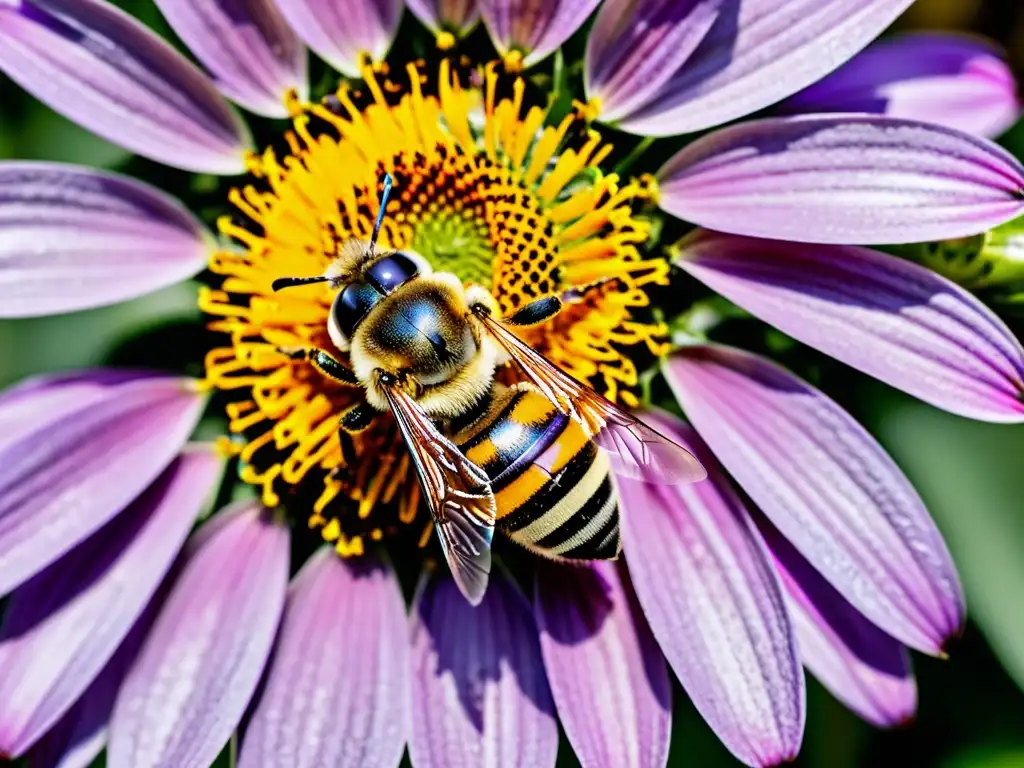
x: 457, y: 244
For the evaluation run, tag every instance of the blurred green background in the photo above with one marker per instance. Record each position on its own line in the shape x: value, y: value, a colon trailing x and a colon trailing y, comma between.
x: 971, y: 475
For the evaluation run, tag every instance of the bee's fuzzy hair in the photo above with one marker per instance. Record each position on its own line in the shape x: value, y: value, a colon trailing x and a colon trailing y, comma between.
x: 352, y: 255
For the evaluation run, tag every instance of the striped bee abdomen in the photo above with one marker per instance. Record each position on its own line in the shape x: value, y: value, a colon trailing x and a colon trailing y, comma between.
x: 551, y: 483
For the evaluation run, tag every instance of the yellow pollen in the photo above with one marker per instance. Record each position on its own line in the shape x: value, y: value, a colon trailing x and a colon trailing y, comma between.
x: 513, y: 61
x: 445, y: 41
x: 589, y: 110
x: 295, y: 105
x: 649, y: 184
x: 486, y: 187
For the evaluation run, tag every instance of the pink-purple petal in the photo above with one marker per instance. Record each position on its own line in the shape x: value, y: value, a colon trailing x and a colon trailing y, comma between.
x: 79, y: 464
x: 337, y: 692
x: 607, y: 674
x: 859, y: 179
x: 635, y: 46
x: 828, y: 486
x: 24, y: 405
x: 479, y: 694
x: 98, y: 66
x: 886, y: 316
x: 707, y: 586
x: 342, y: 32
x: 73, y: 238
x: 250, y: 51
x: 758, y: 52
x: 955, y: 80
x: 457, y: 16
x: 534, y: 27
x: 862, y: 666
x: 64, y: 625
x: 203, y: 659
x: 81, y: 734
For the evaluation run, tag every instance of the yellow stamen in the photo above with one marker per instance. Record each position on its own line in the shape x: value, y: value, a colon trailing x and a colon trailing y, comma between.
x: 513, y: 61
x: 445, y: 41
x: 590, y: 110
x: 295, y: 105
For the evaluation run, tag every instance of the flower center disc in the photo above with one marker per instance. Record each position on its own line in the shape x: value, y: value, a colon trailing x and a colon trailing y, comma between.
x: 456, y: 244
x: 487, y: 188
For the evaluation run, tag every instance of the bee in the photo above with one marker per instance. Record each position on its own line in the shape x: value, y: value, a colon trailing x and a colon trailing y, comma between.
x: 535, y: 459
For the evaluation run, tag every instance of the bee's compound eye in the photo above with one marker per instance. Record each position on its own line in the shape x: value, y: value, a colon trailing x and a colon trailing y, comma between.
x: 423, y: 267
x: 391, y: 271
x: 350, y: 306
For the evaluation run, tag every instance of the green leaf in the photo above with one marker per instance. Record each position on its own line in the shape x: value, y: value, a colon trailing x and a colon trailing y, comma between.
x: 82, y: 339
x: 987, y: 757
x: 970, y: 476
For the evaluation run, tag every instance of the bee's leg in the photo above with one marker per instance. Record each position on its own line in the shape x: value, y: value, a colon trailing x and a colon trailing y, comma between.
x: 357, y: 418
x: 537, y: 311
x: 351, y: 422
x: 579, y: 292
x: 323, y: 362
x: 482, y: 303
x: 546, y: 307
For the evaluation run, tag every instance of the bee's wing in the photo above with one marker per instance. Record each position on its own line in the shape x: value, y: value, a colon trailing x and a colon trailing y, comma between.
x: 635, y: 449
x: 458, y: 494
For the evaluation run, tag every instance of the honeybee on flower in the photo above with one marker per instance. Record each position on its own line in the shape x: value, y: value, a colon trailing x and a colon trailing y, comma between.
x: 498, y: 338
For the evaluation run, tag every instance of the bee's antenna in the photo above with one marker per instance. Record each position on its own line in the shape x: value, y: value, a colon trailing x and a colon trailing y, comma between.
x: 291, y: 282
x: 380, y: 212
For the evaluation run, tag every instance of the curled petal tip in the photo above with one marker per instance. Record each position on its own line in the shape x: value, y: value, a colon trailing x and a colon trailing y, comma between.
x: 345, y: 32
x: 754, y: 53
x: 116, y: 237
x: 951, y: 641
x: 883, y: 315
x: 859, y: 179
x: 711, y: 596
x: 866, y: 530
x: 532, y: 30
x: 861, y: 665
x: 254, y: 57
x: 99, y: 437
x: 957, y: 80
x: 100, y: 67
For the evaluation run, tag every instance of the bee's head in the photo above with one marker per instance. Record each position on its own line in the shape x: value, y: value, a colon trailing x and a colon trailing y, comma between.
x: 363, y: 278
x: 384, y: 275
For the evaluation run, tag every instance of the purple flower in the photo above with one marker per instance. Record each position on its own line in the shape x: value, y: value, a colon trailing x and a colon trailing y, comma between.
x: 956, y: 80
x: 130, y: 628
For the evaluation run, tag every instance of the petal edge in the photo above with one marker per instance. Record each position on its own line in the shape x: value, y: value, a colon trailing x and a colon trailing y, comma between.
x: 101, y: 68
x: 844, y: 179
x: 888, y: 317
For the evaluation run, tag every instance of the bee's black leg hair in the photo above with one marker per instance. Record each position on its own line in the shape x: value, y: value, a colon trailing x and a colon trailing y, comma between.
x: 546, y: 307
x: 537, y: 311
x: 578, y: 292
x: 358, y: 417
x: 323, y: 362
x: 351, y: 422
